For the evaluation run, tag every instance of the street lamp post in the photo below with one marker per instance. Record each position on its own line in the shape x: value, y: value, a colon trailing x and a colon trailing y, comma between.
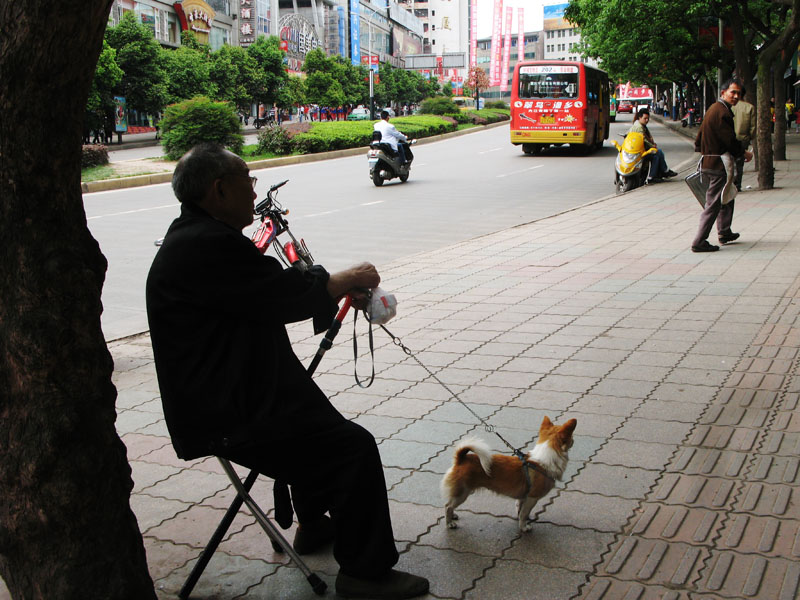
x: 369, y: 66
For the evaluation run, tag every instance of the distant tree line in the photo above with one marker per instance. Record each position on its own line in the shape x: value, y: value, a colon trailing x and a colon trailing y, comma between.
x: 133, y: 64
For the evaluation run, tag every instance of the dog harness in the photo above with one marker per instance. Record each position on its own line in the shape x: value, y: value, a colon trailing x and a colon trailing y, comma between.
x: 527, y: 464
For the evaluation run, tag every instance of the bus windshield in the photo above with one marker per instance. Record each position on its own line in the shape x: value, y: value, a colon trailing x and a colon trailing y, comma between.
x: 548, y: 81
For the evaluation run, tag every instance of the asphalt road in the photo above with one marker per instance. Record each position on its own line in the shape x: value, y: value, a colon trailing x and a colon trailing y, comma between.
x: 459, y: 189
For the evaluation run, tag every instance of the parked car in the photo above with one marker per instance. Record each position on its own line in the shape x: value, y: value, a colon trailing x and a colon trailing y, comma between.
x: 389, y: 110
x: 358, y: 114
x: 625, y: 106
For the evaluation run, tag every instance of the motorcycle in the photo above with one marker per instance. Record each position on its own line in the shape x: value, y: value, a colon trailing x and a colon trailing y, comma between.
x: 631, y: 166
x: 384, y: 162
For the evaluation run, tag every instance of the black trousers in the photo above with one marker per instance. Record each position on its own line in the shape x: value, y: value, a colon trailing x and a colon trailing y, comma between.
x: 338, y: 470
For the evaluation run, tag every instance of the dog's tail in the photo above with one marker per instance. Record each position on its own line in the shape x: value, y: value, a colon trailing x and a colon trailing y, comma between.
x: 481, y: 450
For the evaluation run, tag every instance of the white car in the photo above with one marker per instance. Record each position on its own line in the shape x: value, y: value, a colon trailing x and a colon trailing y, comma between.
x: 358, y: 114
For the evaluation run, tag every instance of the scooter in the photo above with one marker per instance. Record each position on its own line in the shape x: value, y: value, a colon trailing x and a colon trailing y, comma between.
x: 384, y: 163
x: 631, y: 166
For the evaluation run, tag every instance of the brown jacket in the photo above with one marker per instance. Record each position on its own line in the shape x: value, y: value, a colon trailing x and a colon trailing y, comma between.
x: 717, y: 136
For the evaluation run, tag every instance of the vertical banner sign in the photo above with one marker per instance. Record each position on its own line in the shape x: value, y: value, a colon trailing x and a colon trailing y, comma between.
x: 506, y: 49
x: 520, y: 34
x: 473, y: 34
x: 342, y: 48
x: 355, y: 32
x: 494, y: 62
x: 120, y: 115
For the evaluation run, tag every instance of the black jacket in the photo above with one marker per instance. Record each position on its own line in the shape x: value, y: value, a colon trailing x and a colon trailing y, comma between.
x: 717, y: 136
x: 217, y: 311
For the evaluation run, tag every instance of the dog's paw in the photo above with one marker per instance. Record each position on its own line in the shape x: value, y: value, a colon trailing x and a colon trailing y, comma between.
x: 452, y: 525
x: 454, y: 517
x: 527, y: 527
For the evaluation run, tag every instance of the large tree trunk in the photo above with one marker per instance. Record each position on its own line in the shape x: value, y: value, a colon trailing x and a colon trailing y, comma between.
x: 767, y: 60
x: 66, y: 527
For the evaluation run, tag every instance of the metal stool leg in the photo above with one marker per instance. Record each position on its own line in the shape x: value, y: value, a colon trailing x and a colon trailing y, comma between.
x: 277, y: 539
x: 215, y: 540
x: 313, y: 579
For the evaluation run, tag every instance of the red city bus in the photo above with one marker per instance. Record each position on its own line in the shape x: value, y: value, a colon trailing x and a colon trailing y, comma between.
x: 559, y: 102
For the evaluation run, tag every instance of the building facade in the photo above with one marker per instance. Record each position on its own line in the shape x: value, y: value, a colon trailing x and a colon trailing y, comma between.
x: 533, y: 50
x: 212, y: 21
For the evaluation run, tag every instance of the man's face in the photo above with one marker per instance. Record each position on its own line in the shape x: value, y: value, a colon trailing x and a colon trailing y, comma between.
x: 237, y: 191
x: 732, y: 94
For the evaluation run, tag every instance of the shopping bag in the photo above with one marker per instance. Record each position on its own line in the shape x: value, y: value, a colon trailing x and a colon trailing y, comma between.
x: 698, y: 184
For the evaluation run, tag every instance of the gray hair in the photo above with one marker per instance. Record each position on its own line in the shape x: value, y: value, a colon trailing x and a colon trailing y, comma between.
x: 198, y: 169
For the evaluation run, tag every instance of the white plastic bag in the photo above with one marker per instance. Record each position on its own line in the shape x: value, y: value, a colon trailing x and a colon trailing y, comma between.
x: 381, y: 308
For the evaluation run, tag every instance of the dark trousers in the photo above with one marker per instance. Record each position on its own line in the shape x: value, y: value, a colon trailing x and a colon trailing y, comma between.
x: 714, y: 210
x: 338, y: 470
x: 737, y: 178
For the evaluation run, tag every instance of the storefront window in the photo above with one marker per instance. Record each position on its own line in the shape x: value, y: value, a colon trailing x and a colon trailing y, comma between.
x: 219, y: 37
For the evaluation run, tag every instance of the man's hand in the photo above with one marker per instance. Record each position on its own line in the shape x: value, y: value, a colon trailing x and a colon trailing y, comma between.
x: 355, y: 281
x: 748, y: 156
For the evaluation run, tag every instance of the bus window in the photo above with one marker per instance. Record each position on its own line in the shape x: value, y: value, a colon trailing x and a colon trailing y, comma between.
x: 548, y: 85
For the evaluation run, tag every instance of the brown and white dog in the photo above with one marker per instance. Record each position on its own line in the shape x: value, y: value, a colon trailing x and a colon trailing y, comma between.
x: 475, y: 467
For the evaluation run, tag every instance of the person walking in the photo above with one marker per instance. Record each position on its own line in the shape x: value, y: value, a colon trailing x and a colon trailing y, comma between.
x: 717, y: 142
x: 744, y: 122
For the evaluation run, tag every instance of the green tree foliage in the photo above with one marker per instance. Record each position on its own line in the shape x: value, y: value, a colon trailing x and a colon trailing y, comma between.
x: 352, y: 88
x: 188, y: 74
x: 236, y: 75
x: 293, y: 93
x: 656, y: 42
x: 107, y: 76
x: 200, y: 120
x: 143, y: 83
x: 269, y: 59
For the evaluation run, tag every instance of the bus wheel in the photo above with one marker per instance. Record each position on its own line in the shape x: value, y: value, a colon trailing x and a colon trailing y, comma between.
x: 532, y: 149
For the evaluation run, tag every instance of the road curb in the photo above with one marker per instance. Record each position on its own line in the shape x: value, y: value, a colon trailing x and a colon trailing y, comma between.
x: 142, y: 180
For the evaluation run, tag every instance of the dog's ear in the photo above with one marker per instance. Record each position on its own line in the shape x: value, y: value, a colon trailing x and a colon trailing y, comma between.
x: 546, y: 423
x: 567, y: 428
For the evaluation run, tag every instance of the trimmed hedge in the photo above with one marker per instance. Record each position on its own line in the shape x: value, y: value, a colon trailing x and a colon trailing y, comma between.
x: 94, y: 155
x: 191, y: 122
x: 438, y: 106
x: 338, y: 135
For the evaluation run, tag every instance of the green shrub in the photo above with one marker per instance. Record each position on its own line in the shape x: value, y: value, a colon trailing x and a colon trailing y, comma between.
x: 94, y: 155
x: 496, y: 104
x: 274, y: 139
x: 460, y: 117
x: 198, y: 120
x: 327, y: 136
x: 438, y: 106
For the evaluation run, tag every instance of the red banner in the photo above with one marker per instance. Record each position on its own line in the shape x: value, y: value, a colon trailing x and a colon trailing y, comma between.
x: 497, y: 25
x: 506, y: 50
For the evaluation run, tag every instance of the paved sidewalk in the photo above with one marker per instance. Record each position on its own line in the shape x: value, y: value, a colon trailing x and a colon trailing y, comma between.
x: 681, y: 369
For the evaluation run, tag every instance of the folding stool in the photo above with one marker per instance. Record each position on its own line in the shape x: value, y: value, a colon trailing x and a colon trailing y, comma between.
x: 243, y: 495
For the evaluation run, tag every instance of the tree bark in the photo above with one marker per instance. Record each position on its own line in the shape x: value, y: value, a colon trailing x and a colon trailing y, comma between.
x: 66, y: 527
x: 767, y: 60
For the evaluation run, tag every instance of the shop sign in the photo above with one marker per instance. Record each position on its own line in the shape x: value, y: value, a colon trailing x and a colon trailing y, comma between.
x: 297, y: 38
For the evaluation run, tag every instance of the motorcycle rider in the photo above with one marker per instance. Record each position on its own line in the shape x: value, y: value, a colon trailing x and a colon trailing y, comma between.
x: 391, y: 136
x: 658, y: 165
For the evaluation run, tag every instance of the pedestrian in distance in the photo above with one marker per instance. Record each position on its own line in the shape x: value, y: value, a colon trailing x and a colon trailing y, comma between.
x: 744, y: 122
x: 658, y: 162
x: 232, y: 386
x: 717, y: 143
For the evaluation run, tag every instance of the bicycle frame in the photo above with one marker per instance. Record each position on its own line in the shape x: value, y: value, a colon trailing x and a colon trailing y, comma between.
x: 292, y: 253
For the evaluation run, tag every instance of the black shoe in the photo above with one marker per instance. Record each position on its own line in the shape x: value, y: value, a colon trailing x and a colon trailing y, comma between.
x: 670, y: 173
x: 310, y: 537
x: 728, y: 238
x: 397, y: 585
x: 705, y: 247
x: 655, y: 180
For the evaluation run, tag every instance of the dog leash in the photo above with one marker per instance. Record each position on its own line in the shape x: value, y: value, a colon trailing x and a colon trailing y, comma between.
x: 489, y: 428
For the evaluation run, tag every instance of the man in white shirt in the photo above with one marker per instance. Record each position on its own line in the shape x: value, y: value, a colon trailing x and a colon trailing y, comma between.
x: 390, y: 135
